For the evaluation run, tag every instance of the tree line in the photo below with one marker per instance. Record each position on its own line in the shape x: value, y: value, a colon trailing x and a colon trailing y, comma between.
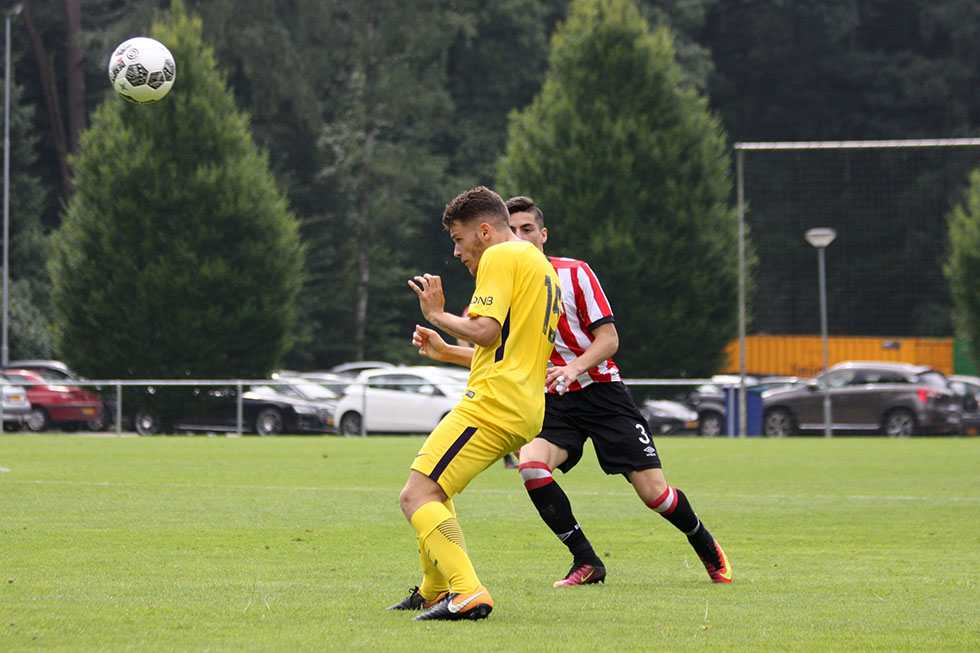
x: 370, y: 115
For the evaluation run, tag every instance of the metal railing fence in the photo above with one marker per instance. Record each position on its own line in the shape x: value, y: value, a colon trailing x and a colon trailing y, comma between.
x: 240, y: 384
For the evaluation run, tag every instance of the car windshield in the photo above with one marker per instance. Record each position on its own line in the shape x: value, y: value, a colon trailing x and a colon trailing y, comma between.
x: 336, y: 386
x: 933, y: 380
x: 52, y: 377
x: 313, y: 391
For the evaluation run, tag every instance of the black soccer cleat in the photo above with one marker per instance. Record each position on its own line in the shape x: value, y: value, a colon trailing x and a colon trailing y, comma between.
x: 415, y: 601
x: 473, y: 606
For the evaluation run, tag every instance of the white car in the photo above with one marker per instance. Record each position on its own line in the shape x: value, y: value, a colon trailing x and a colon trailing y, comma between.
x: 407, y: 399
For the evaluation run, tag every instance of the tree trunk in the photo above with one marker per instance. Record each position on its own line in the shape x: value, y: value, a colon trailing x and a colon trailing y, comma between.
x: 365, y: 189
x: 75, y: 72
x: 49, y: 85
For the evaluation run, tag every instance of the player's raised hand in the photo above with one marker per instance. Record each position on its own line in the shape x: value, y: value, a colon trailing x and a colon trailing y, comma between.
x: 429, y: 343
x: 429, y: 289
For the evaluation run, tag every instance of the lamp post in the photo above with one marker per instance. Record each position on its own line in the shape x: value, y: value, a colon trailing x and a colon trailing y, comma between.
x: 4, y: 348
x: 821, y: 237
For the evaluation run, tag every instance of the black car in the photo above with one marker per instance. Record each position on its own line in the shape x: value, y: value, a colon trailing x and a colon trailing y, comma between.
x: 265, y: 411
x: 867, y: 396
x: 968, y: 388
x: 667, y: 417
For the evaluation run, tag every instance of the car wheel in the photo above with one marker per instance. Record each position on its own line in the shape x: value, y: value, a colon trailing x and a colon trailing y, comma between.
x: 350, y: 424
x: 100, y: 424
x: 899, y: 422
x: 778, y: 422
x: 711, y: 424
x: 269, y: 421
x: 146, y: 423
x: 37, y: 420
x: 12, y: 426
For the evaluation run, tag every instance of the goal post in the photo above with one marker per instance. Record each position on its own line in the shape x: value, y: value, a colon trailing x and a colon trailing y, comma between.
x: 887, y: 199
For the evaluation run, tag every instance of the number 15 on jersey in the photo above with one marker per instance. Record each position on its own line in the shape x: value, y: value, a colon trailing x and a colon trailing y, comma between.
x: 553, y: 307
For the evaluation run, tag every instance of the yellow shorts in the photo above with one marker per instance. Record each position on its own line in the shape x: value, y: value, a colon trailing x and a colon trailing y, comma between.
x: 460, y: 447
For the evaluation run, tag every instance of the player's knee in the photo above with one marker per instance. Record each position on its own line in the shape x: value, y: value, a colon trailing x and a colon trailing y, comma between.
x: 649, y: 484
x: 541, y: 451
x: 406, y: 502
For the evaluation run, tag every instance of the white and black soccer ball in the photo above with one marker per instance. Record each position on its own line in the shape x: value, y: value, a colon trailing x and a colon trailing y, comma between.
x: 142, y: 70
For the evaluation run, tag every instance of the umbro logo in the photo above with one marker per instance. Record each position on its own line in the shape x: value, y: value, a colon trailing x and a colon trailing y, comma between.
x: 651, y: 451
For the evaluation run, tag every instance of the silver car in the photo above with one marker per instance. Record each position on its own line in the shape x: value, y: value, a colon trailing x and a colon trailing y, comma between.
x: 15, y: 404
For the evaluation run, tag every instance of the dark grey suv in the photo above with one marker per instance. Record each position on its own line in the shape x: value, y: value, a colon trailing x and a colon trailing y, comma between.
x: 890, y: 398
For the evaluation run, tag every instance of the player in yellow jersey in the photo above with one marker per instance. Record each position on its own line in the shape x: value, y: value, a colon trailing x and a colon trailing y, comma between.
x: 512, y: 321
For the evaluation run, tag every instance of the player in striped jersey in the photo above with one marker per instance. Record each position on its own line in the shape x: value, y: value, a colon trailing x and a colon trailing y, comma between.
x: 586, y: 398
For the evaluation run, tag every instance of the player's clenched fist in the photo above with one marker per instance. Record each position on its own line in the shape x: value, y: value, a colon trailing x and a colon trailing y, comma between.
x: 428, y: 342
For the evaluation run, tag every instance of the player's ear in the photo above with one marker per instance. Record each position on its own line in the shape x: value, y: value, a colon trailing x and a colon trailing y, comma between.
x: 544, y: 235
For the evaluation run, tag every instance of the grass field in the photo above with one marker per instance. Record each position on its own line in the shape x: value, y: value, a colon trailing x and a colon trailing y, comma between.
x: 198, y: 543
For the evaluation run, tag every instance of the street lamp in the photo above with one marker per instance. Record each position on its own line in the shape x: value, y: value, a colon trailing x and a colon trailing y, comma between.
x: 821, y: 237
x: 4, y: 348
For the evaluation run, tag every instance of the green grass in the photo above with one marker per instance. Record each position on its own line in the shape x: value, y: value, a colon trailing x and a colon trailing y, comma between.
x: 197, y: 543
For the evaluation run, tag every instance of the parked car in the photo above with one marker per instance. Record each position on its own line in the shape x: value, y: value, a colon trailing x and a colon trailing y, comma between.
x: 666, y: 417
x: 16, y: 406
x: 892, y: 398
x: 356, y: 367
x: 710, y: 399
x: 54, y: 403
x: 265, y: 411
x: 57, y: 369
x: 309, y: 388
x: 968, y: 388
x: 409, y: 399
x: 336, y: 383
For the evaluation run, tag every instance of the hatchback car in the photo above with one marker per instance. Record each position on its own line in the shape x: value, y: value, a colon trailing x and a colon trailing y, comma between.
x: 410, y: 399
x: 16, y: 406
x: 57, y: 370
x: 866, y: 396
x: 53, y: 402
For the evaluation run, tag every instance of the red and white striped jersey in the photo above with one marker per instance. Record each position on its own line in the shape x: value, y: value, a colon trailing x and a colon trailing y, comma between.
x: 586, y: 307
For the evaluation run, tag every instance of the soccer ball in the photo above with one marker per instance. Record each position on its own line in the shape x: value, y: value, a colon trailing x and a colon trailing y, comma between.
x: 142, y: 70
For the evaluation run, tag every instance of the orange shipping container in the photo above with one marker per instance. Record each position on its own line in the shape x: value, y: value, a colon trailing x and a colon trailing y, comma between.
x: 803, y: 355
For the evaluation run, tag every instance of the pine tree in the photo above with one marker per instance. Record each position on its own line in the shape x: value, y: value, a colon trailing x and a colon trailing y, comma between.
x: 28, y: 329
x: 631, y: 171
x: 178, y: 255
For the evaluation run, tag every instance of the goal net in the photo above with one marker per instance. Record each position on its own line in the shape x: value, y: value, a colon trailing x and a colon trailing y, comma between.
x: 887, y: 201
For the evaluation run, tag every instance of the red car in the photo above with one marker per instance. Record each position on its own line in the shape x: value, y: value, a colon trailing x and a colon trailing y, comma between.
x: 52, y: 402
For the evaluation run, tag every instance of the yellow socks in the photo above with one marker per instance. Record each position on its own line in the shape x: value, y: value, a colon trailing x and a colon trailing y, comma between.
x: 441, y: 544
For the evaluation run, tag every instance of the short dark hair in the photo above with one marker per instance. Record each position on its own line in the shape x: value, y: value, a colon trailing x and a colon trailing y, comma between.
x: 479, y: 202
x: 524, y: 204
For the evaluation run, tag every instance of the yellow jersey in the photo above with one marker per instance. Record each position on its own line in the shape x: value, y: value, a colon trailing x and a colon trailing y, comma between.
x: 517, y: 286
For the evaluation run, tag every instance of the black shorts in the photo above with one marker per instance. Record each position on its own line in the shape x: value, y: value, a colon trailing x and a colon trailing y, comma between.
x: 606, y: 413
